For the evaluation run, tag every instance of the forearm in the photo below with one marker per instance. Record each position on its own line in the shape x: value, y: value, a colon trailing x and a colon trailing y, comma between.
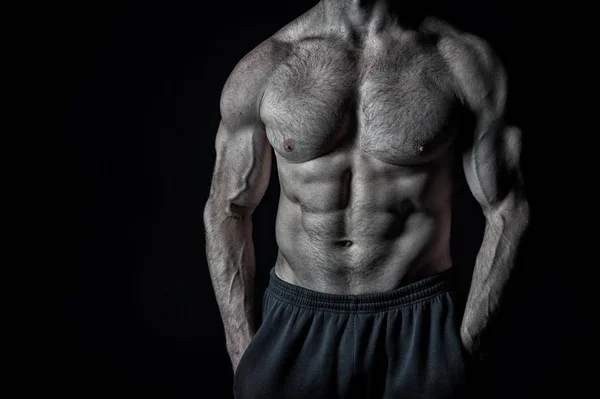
x: 505, y: 226
x: 230, y: 255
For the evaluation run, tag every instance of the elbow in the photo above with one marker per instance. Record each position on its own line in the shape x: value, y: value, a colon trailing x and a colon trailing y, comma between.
x: 522, y: 212
x: 513, y: 210
x: 216, y: 210
x: 209, y: 212
x: 520, y: 207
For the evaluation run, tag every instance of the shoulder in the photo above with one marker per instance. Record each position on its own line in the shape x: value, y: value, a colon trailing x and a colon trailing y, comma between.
x: 478, y: 74
x: 251, y: 74
x: 242, y: 93
x: 243, y: 89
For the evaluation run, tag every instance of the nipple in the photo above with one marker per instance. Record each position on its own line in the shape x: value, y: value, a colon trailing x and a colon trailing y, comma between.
x: 420, y: 146
x: 288, y: 145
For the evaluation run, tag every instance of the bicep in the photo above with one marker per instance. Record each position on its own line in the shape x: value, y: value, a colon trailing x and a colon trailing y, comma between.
x: 242, y: 168
x: 491, y: 163
x: 243, y: 153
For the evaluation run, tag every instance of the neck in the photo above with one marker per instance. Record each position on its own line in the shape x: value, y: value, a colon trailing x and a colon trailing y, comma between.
x: 368, y: 15
x: 358, y: 5
x: 358, y: 12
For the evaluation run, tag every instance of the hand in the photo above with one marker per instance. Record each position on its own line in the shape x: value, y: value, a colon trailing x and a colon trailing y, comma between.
x: 236, y: 348
x: 235, y: 359
x: 474, y: 343
x: 468, y: 340
x: 474, y: 328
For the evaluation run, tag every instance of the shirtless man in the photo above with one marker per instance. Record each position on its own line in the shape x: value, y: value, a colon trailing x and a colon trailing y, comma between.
x: 364, y: 113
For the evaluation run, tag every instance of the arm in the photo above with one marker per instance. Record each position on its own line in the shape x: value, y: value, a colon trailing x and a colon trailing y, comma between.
x: 240, y: 179
x: 491, y: 166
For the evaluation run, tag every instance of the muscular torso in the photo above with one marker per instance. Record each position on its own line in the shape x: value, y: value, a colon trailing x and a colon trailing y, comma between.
x: 363, y: 135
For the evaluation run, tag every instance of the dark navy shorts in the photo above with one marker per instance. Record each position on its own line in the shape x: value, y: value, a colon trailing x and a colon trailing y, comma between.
x: 403, y: 343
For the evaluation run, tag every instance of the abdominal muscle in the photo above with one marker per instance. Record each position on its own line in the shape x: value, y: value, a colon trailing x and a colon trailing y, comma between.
x: 393, y: 228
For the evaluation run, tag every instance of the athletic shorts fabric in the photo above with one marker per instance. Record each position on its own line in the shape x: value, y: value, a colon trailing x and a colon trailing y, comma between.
x: 403, y: 343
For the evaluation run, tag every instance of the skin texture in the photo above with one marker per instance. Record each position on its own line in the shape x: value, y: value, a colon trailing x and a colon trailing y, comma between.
x: 362, y: 111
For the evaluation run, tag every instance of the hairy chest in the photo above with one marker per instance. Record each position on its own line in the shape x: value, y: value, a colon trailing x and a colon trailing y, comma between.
x: 390, y: 100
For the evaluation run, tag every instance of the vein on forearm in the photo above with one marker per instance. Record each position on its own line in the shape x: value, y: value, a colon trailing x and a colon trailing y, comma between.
x: 505, y: 224
x: 231, y: 265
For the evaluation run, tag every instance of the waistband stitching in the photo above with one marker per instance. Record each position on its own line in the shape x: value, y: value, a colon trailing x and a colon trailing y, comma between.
x: 322, y: 304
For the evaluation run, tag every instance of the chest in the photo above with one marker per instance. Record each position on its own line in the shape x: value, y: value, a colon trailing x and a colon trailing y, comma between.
x: 391, y: 100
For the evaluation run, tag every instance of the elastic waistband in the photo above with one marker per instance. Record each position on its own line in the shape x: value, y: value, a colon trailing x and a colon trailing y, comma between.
x: 407, y: 295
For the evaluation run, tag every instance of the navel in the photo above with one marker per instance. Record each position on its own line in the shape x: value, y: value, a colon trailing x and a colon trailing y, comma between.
x: 288, y: 145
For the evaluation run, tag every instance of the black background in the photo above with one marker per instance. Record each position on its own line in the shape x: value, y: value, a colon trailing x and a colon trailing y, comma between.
x: 134, y: 87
